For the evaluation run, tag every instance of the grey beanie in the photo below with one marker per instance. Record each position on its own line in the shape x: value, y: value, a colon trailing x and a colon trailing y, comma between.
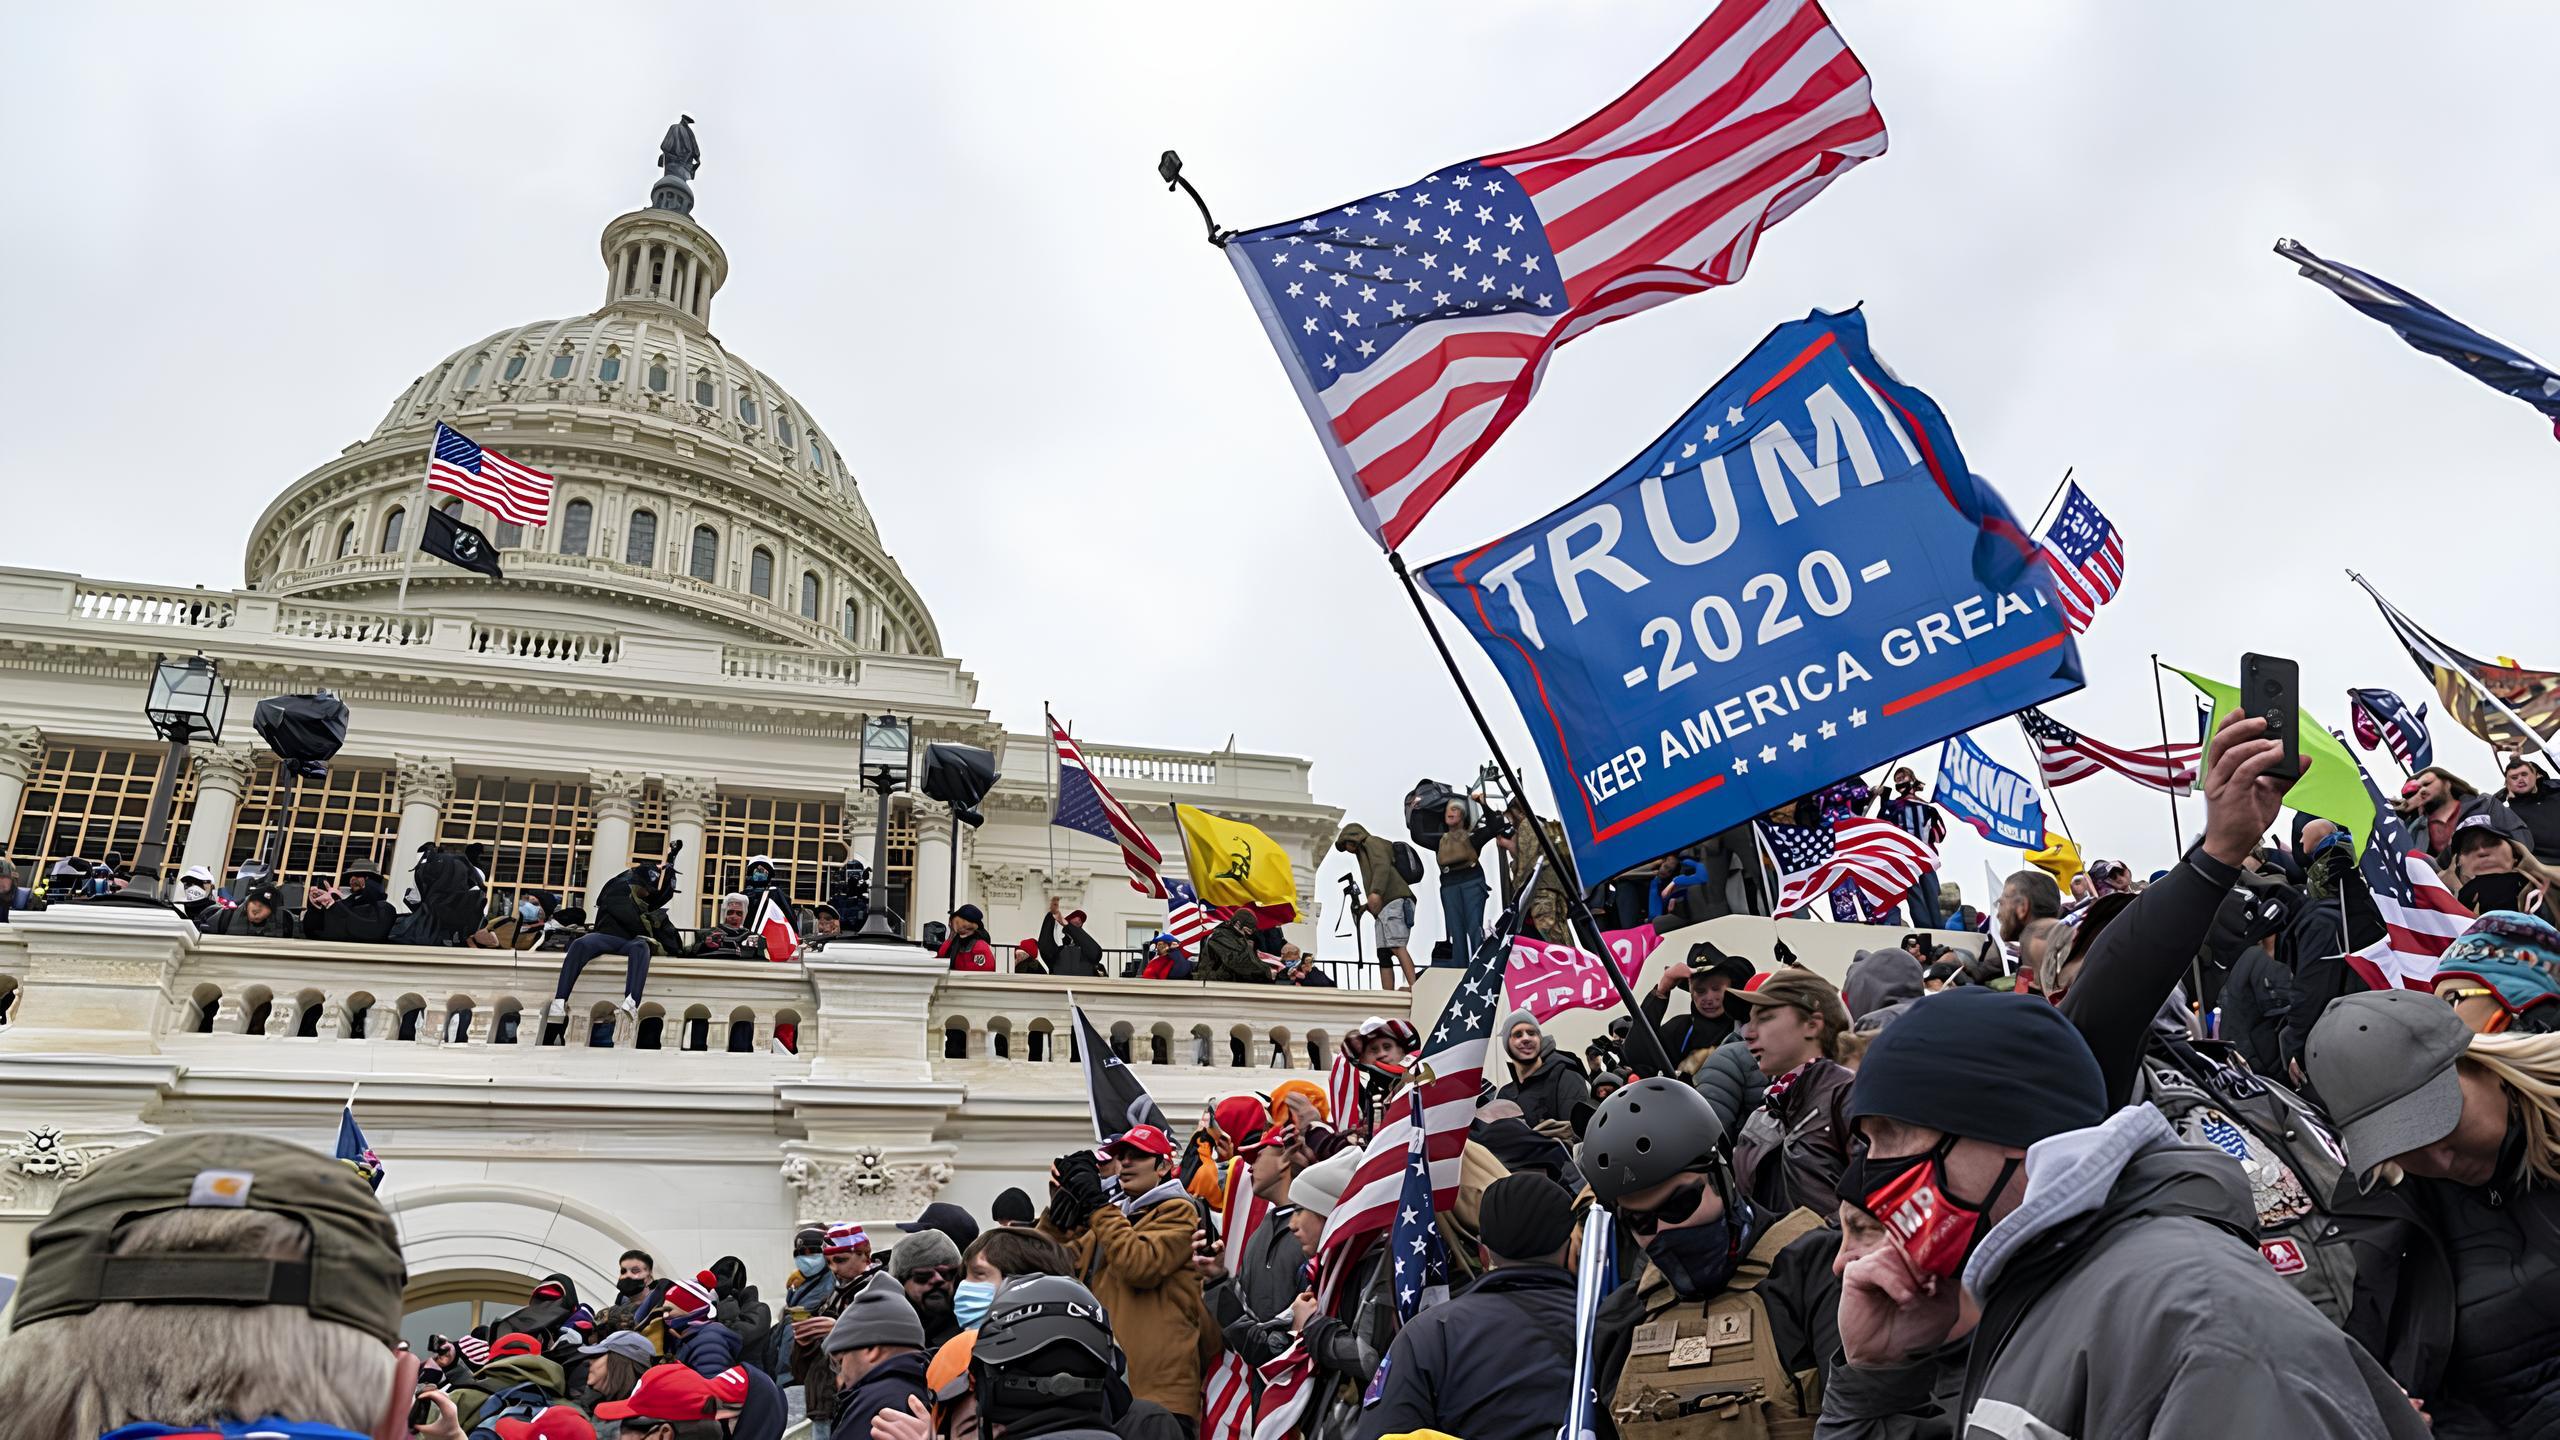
x: 1520, y: 1018
x: 879, y: 1315
x: 924, y: 1247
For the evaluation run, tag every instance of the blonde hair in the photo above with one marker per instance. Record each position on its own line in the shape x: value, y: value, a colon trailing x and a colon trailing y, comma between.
x: 2528, y: 1066
x: 194, y: 1364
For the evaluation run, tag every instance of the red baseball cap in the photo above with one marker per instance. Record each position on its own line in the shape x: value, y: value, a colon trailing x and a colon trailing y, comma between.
x: 560, y: 1422
x: 666, y: 1392
x: 729, y: 1387
x: 508, y: 1345
x: 1145, y: 1139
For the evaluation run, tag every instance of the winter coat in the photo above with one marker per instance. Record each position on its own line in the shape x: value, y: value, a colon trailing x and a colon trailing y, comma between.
x: 1067, y: 950
x: 2257, y: 998
x: 1377, y: 857
x: 1551, y: 1094
x: 1229, y: 954
x: 711, y: 1347
x: 1139, y: 1266
x: 737, y: 1304
x: 501, y: 1375
x: 2498, y: 1250
x: 1687, y: 1037
x: 361, y: 918
x: 2540, y: 812
x: 1251, y: 1305
x: 1916, y: 1401
x: 888, y: 1385
x: 1730, y: 1078
x: 722, y: 939
x: 277, y: 926
x: 1792, y: 1149
x: 812, y: 1369
x: 1492, y: 1362
x: 1347, y: 1351
x: 623, y: 906
x: 2121, y: 1220
x: 970, y: 953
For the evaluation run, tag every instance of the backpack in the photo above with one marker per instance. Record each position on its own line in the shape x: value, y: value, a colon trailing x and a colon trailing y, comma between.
x: 1408, y: 863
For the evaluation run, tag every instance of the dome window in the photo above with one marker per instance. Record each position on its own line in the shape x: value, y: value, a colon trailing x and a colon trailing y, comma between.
x: 392, y: 525
x: 450, y: 505
x: 577, y: 523
x: 704, y: 393
x: 471, y: 375
x: 705, y: 559
x: 809, y: 595
x: 658, y: 379
x: 852, y: 621
x: 346, y: 540
x: 782, y: 428
x: 747, y: 408
x: 817, y: 454
x: 515, y: 367
x: 561, y: 365
x: 609, y: 369
x: 640, y: 547
x: 509, y: 536
x: 760, y: 573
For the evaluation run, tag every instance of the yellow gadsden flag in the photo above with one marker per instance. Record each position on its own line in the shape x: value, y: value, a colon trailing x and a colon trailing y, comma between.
x: 2059, y: 858
x: 1233, y: 863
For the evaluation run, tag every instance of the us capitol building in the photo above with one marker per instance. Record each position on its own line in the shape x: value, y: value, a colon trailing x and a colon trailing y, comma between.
x: 685, y: 652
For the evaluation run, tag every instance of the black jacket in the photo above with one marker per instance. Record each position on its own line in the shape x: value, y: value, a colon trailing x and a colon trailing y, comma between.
x: 623, y: 906
x: 889, y: 1386
x: 363, y: 918
x: 1067, y: 949
x: 277, y: 926
x: 1551, y: 1094
x: 1251, y: 1306
x: 2257, y: 998
x: 2498, y: 1248
x: 1492, y: 1362
x: 711, y: 1347
x: 2540, y: 812
x: 1687, y: 1032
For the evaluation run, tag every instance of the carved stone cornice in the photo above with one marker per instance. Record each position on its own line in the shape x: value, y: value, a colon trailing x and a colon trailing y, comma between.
x: 1000, y: 883
x: 226, y: 767
x: 424, y: 779
x: 43, y: 1159
x: 867, y: 1185
x: 690, y: 798
x: 21, y: 751
x: 613, y: 794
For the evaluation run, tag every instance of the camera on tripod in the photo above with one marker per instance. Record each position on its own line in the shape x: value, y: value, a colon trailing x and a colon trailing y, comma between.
x: 852, y: 897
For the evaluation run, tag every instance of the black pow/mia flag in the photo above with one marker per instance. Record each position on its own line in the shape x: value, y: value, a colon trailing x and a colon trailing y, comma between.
x: 449, y: 539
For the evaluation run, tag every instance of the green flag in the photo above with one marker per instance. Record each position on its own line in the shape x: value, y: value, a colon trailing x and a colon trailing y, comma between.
x: 2332, y: 784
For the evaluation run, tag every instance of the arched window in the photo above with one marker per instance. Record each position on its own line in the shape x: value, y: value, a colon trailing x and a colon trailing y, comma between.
x: 705, y: 394
x: 346, y: 540
x: 508, y: 536
x: 747, y: 407
x: 450, y: 505
x: 706, y: 552
x: 515, y: 367
x: 817, y: 454
x: 782, y: 428
x: 809, y: 595
x: 392, y: 525
x: 658, y: 379
x: 760, y: 573
x: 471, y: 375
x: 576, y: 524
x: 561, y: 363
x: 609, y: 369
x: 852, y: 621
x: 640, y: 545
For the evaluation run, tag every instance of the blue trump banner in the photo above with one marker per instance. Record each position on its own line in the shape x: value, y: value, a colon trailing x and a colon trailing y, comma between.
x: 1995, y: 801
x: 1798, y: 581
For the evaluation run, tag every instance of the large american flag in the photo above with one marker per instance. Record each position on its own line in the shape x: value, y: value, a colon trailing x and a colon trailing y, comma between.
x: 1185, y: 918
x: 1879, y: 857
x: 2381, y: 716
x: 2064, y: 755
x: 1087, y: 807
x: 2420, y: 917
x: 2086, y: 556
x: 1226, y: 1411
x: 459, y: 465
x: 1445, y: 1079
x: 1416, y: 323
x: 1420, y: 1256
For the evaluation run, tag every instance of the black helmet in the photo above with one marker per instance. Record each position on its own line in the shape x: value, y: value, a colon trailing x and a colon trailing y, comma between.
x: 1647, y: 1132
x: 1033, y: 1313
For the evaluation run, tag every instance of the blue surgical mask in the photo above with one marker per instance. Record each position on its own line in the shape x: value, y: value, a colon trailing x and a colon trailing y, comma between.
x: 1696, y: 1259
x: 970, y: 1300
x: 808, y: 1265
x: 529, y: 913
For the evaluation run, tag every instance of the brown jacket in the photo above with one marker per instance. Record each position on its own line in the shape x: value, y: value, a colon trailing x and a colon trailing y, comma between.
x: 1139, y: 1267
x: 1792, y: 1149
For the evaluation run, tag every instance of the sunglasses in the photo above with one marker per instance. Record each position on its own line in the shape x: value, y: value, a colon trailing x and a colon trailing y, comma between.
x: 931, y: 1273
x: 2461, y: 993
x: 1679, y: 1205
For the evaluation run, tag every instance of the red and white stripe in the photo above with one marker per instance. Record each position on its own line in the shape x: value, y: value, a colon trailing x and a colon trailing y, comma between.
x: 1662, y: 194
x: 517, y: 494
x: 1879, y: 857
x: 2416, y: 936
x: 1136, y: 851
x: 2170, y: 768
x: 1226, y: 1411
x: 2082, y: 589
x: 1189, y: 923
x: 1342, y: 1085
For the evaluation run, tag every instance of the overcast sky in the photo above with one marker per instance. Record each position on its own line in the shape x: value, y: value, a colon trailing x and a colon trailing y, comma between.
x: 238, y: 232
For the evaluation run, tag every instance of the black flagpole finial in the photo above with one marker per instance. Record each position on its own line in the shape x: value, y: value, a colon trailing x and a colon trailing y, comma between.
x: 1169, y: 169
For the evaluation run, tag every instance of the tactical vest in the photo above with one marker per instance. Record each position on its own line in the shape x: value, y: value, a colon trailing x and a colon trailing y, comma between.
x: 2292, y: 1161
x: 1714, y: 1370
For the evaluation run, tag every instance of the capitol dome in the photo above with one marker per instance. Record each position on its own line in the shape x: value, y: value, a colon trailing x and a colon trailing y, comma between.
x: 694, y: 494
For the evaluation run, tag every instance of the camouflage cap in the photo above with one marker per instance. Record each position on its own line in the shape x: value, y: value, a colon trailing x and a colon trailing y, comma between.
x: 353, y: 1274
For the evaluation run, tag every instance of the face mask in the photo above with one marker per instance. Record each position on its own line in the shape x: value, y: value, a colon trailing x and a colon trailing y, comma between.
x: 629, y: 1286
x: 1910, y: 1197
x: 529, y: 913
x: 191, y: 892
x: 808, y: 1265
x: 1696, y: 1259
x: 969, y: 1302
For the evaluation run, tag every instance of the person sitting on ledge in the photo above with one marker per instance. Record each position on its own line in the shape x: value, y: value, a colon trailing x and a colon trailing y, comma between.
x: 729, y: 937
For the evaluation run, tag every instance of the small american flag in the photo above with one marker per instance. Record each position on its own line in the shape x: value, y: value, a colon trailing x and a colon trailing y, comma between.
x: 2379, y: 716
x: 2085, y: 554
x: 1880, y: 858
x: 1416, y: 323
x: 1226, y: 1412
x: 1420, y: 1256
x: 458, y: 465
x: 2420, y: 917
x: 1185, y: 918
x: 2064, y: 755
x: 1087, y: 808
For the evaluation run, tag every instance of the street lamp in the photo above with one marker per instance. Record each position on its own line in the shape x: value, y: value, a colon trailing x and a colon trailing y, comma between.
x: 888, y: 758
x: 1497, y: 796
x: 187, y: 702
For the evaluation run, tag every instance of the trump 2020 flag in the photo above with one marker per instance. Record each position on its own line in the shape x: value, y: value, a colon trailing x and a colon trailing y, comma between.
x: 1999, y: 803
x: 1119, y: 1101
x: 353, y: 1148
x: 1415, y: 323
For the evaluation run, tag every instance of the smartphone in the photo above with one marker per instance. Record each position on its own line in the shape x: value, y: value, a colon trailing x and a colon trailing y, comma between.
x: 2271, y: 690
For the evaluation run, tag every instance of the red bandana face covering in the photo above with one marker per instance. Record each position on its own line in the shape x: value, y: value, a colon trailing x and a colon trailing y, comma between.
x: 1909, y: 1196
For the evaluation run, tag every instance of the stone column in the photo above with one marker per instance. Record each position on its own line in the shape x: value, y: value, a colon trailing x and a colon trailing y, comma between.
x: 426, y: 785
x: 933, y: 866
x: 611, y: 794
x: 223, y: 773
x: 689, y: 802
x: 21, y: 755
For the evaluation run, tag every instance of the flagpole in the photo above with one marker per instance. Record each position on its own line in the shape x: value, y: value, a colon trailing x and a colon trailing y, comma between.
x: 1049, y: 723
x: 2527, y: 731
x: 2047, y: 512
x: 1580, y: 908
x: 2160, y: 706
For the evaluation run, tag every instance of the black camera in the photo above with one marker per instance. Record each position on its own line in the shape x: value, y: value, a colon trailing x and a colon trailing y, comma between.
x: 852, y: 898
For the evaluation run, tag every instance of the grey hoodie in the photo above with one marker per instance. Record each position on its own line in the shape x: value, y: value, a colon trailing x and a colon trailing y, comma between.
x: 1879, y: 978
x: 2122, y: 1220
